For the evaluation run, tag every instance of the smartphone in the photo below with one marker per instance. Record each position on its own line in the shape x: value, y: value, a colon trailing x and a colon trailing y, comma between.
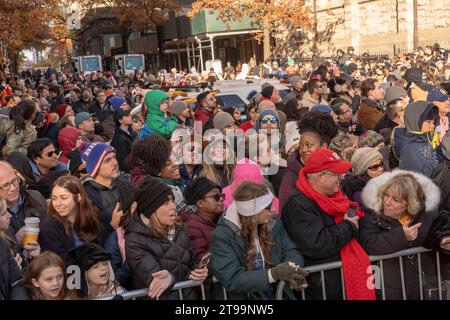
x: 351, y: 211
x: 205, y: 261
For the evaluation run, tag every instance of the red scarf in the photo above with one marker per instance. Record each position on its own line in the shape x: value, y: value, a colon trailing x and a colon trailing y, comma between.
x: 355, y: 261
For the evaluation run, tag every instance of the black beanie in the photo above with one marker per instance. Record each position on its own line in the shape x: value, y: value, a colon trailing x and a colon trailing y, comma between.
x: 87, y: 255
x: 152, y: 195
x: 197, y: 188
x: 267, y: 92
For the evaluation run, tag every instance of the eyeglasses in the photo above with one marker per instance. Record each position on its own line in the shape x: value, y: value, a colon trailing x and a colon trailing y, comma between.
x: 267, y: 120
x: 136, y: 119
x: 375, y: 167
x: 7, y: 186
x: 339, y: 175
x: 217, y: 196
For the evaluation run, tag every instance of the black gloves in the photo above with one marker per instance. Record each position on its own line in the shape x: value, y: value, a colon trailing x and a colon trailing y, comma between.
x: 294, y: 276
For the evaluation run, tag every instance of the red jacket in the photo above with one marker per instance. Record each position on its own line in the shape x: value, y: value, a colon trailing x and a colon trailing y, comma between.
x: 202, y: 115
x: 200, y: 229
x: 247, y: 125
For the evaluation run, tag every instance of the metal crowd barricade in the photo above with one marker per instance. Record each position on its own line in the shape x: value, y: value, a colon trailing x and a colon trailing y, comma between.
x: 338, y: 265
x: 179, y: 286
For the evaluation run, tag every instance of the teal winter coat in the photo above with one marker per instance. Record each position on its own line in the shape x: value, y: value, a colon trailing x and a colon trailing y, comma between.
x: 228, y: 250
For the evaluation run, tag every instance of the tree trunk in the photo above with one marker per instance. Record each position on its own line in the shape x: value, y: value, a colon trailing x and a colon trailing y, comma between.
x: 266, y: 40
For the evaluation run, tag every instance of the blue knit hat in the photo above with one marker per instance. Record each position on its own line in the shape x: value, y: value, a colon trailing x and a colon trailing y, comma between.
x: 93, y: 154
x: 322, y: 108
x: 264, y: 113
x: 116, y: 102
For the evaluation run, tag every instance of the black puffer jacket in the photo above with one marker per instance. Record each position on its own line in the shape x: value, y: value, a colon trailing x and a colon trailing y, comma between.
x: 11, y: 282
x: 147, y: 254
x: 380, y: 235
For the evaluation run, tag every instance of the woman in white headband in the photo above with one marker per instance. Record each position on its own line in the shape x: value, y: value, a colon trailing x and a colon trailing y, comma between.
x: 251, y: 250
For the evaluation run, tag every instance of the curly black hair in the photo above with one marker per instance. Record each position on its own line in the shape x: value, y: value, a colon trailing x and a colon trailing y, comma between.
x: 320, y: 123
x: 153, y: 152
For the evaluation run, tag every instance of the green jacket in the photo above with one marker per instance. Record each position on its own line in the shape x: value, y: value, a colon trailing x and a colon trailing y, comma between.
x: 155, y: 120
x: 228, y: 249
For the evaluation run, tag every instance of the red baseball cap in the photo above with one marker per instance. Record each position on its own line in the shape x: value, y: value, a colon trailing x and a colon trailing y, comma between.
x: 325, y: 159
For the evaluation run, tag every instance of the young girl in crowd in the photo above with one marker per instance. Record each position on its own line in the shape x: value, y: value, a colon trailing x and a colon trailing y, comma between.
x: 46, y: 278
x: 97, y: 275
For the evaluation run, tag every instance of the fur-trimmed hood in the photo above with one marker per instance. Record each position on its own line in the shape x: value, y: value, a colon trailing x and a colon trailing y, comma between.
x: 370, y: 192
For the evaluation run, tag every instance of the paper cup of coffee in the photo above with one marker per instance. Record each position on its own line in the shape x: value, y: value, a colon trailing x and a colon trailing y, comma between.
x: 32, y: 222
x: 30, y: 234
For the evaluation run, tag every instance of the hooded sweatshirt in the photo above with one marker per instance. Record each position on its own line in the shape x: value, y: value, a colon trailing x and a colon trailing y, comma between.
x: 246, y: 170
x: 156, y: 122
x: 411, y: 145
x: 67, y: 138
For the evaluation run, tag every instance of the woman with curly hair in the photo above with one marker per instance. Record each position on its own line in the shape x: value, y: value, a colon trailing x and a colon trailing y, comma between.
x: 250, y: 249
x: 316, y: 129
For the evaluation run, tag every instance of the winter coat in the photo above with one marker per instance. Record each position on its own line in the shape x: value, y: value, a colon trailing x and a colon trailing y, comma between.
x: 352, y: 187
x: 121, y: 269
x: 381, y: 235
x: 34, y: 205
x: 156, y: 120
x: 67, y: 138
x: 101, y: 113
x: 185, y: 177
x: 369, y: 113
x: 319, y: 240
x: 147, y: 254
x: 105, y: 199
x: 122, y: 142
x: 53, y: 237
x: 308, y: 101
x: 441, y: 177
x: 17, y: 140
x: 228, y: 256
x: 247, y: 170
x: 390, y: 161
x: 385, y: 123
x: 138, y: 172
x: 203, y: 115
x: 200, y: 228
x: 108, y: 127
x: 413, y: 147
x: 290, y: 178
x: 11, y: 281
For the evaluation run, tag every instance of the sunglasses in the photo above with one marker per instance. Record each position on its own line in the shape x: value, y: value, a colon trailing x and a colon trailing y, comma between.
x: 217, y: 196
x: 376, y: 167
x: 51, y: 153
x: 267, y: 120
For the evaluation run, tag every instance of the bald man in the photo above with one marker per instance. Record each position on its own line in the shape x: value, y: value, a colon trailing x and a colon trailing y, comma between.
x: 22, y: 203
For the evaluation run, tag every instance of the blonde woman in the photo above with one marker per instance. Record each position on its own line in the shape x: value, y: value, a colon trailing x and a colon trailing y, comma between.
x: 401, y: 209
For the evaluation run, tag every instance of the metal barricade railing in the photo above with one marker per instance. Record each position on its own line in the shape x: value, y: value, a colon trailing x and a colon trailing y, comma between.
x: 338, y: 265
x: 179, y: 286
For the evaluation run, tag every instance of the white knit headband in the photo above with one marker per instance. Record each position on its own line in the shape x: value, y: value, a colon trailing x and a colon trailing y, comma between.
x: 252, y: 207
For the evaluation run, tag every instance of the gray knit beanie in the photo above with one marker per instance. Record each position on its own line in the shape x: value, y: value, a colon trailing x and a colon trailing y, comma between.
x: 362, y: 159
x: 178, y: 107
x: 222, y: 120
